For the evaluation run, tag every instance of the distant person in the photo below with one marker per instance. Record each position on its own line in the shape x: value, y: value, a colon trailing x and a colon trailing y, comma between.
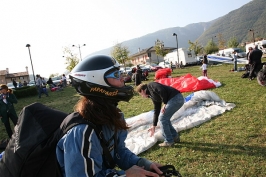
x: 43, y: 81
x: 51, y: 83
x: 7, y: 110
x: 171, y: 66
x: 25, y: 83
x: 204, y: 68
x: 39, y: 85
x: 255, y: 62
x: 20, y: 84
x: 250, y: 49
x: 15, y: 83
x: 205, y: 59
x: 235, y: 60
x: 138, y: 76
x: 64, y: 80
x: 60, y: 86
x: 172, y: 100
x: 133, y: 70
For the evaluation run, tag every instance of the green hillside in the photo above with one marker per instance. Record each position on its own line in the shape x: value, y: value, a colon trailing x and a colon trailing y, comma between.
x: 238, y: 24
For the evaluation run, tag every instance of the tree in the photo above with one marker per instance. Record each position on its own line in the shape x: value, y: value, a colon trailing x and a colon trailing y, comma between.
x: 120, y: 53
x: 54, y: 75
x: 71, y: 60
x: 196, y: 47
x: 232, y: 43
x: 211, y: 47
x: 159, y: 48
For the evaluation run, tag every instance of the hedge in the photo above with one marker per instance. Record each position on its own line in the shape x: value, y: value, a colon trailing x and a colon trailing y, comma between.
x: 27, y: 91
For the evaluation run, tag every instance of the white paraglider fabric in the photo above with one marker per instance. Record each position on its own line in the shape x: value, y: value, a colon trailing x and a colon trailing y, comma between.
x: 199, y: 107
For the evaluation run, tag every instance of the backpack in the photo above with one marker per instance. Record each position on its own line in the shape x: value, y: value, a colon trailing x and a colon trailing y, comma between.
x: 31, y: 152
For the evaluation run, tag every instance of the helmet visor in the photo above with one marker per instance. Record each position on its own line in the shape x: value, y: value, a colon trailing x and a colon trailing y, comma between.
x: 115, y: 74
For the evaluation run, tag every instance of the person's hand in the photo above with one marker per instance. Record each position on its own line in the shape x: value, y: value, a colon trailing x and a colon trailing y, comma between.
x: 152, y: 130
x: 154, y: 166
x: 136, y: 171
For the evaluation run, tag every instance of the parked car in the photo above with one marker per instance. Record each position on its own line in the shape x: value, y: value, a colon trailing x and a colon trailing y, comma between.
x: 155, y: 67
x: 125, y: 70
x: 165, y: 64
x: 145, y: 67
x: 31, y: 83
x: 56, y: 79
x: 199, y: 59
x: 10, y: 85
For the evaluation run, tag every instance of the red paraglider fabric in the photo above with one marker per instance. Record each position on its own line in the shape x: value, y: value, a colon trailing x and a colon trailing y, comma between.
x: 163, y: 73
x: 187, y: 83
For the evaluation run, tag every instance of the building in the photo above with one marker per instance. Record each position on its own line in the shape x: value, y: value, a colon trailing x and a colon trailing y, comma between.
x: 148, y: 55
x: 6, y: 77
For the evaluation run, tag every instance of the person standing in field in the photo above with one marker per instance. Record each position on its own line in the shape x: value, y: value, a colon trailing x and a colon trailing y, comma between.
x: 255, y: 62
x: 7, y: 110
x: 235, y: 60
x: 204, y: 68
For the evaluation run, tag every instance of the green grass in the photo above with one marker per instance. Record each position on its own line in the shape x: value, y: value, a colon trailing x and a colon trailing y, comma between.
x: 232, y: 144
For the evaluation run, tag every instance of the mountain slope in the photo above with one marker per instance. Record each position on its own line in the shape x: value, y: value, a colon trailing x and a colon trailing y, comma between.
x: 238, y: 23
x: 189, y: 32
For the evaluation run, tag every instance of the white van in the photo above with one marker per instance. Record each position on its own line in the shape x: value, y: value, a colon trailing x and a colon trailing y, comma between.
x: 261, y: 45
x: 186, y: 57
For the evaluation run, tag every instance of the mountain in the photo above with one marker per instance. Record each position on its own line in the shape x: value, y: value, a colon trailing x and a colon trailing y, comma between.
x: 190, y: 32
x: 237, y: 23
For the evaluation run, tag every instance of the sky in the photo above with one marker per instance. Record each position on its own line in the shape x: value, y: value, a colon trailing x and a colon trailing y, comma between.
x: 50, y: 25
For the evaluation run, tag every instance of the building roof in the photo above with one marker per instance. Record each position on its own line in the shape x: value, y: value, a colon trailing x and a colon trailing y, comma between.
x: 147, y: 50
x: 10, y: 75
x: 2, y: 72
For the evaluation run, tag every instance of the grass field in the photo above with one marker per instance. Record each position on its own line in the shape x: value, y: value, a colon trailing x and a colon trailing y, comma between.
x: 232, y: 144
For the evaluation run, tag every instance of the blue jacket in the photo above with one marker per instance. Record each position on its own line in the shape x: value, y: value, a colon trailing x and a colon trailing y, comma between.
x: 79, y: 153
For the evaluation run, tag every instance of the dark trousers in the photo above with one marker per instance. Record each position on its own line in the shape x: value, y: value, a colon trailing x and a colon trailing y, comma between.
x: 137, y: 79
x: 14, y: 119
x: 254, y: 69
x: 235, y: 65
x: 204, y: 72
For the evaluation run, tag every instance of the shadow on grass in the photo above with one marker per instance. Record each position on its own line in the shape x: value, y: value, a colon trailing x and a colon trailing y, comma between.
x: 226, y: 149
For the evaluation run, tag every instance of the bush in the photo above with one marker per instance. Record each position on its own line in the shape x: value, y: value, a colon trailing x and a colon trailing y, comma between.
x: 27, y: 91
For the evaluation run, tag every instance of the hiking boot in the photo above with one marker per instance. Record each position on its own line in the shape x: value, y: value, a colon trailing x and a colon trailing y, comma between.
x: 177, y: 139
x: 166, y: 144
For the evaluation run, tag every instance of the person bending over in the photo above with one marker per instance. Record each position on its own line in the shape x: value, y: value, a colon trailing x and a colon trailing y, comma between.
x: 172, y: 100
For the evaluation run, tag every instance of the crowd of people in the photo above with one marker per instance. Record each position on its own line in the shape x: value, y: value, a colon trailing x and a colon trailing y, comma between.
x: 254, y: 61
x: 8, y: 99
x: 109, y: 118
x: 100, y: 106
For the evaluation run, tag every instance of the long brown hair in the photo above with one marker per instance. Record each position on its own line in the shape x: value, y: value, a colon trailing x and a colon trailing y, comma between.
x: 100, y: 111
